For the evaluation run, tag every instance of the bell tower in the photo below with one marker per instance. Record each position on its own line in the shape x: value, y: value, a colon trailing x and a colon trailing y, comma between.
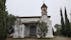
x: 44, y: 9
x: 45, y: 18
x: 44, y: 12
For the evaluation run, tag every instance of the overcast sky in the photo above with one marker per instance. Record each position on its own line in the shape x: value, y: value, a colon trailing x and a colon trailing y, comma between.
x: 33, y: 8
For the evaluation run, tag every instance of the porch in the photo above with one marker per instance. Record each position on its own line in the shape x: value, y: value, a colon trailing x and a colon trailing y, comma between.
x: 30, y: 30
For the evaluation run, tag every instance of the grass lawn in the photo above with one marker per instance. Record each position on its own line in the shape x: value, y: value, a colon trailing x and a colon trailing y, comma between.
x: 55, y: 38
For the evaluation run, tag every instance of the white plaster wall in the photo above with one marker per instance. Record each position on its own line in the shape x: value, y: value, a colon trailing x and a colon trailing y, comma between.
x: 47, y: 20
x: 19, y: 29
x: 50, y: 31
x: 27, y: 31
x: 23, y: 20
x: 44, y: 18
x: 22, y: 29
x: 15, y: 34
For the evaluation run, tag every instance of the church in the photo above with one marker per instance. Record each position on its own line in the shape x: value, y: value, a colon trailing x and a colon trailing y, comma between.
x: 24, y: 26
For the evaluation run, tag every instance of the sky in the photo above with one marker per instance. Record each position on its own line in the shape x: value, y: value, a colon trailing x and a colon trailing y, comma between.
x: 33, y: 8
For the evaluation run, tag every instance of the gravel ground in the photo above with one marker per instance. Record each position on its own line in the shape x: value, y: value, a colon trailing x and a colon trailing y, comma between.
x: 55, y: 38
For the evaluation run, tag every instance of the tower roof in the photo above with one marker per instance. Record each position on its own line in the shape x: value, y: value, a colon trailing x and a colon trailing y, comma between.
x: 44, y: 5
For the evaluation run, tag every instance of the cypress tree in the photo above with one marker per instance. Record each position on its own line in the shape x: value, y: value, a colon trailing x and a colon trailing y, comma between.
x: 6, y: 21
x: 62, y: 22
x: 3, y: 15
x: 66, y: 29
x: 67, y: 25
x: 66, y: 18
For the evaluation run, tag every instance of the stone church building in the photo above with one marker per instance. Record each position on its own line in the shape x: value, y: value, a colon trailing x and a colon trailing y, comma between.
x: 24, y: 26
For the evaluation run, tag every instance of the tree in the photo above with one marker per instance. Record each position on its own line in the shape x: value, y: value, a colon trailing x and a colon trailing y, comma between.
x: 6, y: 20
x: 66, y: 29
x: 3, y: 16
x: 42, y: 28
x: 67, y: 25
x: 6, y: 24
x: 58, y: 27
x: 3, y: 31
x: 62, y: 23
x: 10, y: 23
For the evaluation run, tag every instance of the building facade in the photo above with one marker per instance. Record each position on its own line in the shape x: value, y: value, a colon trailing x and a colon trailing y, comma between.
x: 26, y: 26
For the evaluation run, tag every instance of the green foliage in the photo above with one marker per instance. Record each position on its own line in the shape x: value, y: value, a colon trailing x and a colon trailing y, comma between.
x: 2, y: 5
x: 6, y: 20
x: 3, y: 16
x: 42, y: 28
x: 62, y: 22
x: 58, y: 27
x: 67, y: 25
x: 10, y: 23
x: 66, y: 29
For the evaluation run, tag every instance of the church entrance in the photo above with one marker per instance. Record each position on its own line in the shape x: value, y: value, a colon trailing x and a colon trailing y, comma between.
x: 32, y: 30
